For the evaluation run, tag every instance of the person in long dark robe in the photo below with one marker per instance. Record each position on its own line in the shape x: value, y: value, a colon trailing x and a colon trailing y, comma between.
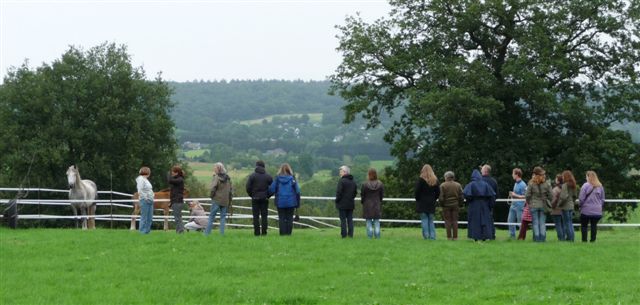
x: 480, y: 198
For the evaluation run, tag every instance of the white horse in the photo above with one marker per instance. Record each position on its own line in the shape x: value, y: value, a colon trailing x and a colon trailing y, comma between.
x: 85, y: 190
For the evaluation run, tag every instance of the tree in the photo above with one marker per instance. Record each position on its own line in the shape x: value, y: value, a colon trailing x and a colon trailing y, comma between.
x: 89, y: 108
x: 505, y: 82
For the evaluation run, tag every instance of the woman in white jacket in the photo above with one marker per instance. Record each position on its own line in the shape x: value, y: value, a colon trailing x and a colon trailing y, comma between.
x: 145, y: 192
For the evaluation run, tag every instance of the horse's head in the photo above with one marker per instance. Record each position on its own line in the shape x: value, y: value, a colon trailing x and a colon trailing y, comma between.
x: 72, y: 174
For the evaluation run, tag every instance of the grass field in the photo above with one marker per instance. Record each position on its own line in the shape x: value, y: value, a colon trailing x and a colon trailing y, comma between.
x: 204, y: 171
x: 195, y: 153
x: 56, y: 266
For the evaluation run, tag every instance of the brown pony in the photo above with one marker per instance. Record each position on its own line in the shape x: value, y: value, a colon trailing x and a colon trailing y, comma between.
x: 164, y: 205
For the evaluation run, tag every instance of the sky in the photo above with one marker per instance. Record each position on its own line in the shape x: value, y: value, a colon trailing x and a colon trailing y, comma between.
x: 187, y: 40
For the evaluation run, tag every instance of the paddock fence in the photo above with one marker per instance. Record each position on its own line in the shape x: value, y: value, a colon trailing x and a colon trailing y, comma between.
x: 309, y: 221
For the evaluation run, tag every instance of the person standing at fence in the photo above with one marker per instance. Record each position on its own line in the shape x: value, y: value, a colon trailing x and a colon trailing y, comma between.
x: 426, y: 192
x: 517, y: 206
x: 145, y: 192
x: 287, y: 197
x: 197, y: 220
x: 176, y: 180
x: 556, y: 211
x: 526, y: 221
x: 539, y: 196
x: 258, y: 189
x: 480, y: 198
x: 371, y: 194
x: 345, y: 201
x: 221, y: 195
x: 451, y: 198
x: 486, y: 176
x: 568, y: 196
x: 591, y: 203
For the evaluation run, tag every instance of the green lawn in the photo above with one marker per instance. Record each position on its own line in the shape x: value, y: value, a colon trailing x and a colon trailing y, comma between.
x: 57, y: 266
x: 203, y: 172
x: 194, y: 153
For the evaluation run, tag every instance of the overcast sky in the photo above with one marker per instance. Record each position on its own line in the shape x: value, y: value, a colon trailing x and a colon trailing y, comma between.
x: 187, y: 40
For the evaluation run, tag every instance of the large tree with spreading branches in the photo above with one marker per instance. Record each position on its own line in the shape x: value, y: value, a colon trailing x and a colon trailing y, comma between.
x: 512, y: 83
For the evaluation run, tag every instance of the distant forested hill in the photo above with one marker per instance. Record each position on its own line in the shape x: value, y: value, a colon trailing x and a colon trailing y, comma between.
x: 202, y: 103
x: 295, y: 116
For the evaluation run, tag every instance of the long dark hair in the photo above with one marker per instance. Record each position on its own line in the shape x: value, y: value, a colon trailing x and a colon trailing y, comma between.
x: 177, y: 169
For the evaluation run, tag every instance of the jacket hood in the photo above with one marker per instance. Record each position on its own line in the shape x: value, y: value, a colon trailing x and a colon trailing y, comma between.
x: 347, y: 176
x: 260, y: 170
x: 284, y: 179
x: 223, y: 177
x: 475, y: 176
x: 373, y: 185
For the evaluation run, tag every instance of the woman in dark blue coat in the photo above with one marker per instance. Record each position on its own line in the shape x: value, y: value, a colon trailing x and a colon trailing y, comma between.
x: 480, y: 197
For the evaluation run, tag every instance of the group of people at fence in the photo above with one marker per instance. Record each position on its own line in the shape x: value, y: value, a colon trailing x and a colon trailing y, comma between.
x: 529, y: 205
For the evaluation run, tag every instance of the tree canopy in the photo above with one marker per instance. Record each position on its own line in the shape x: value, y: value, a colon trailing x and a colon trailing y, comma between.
x: 505, y: 82
x: 89, y: 108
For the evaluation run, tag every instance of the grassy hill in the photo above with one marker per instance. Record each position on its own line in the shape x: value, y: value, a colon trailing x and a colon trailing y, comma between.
x: 47, y: 266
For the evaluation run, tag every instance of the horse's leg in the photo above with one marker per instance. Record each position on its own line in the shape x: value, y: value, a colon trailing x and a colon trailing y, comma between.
x: 83, y: 210
x: 75, y: 214
x: 136, y: 212
x: 92, y: 212
x: 166, y: 218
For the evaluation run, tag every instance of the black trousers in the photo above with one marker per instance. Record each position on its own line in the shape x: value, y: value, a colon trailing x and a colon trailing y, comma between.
x: 259, y: 207
x: 584, y: 224
x: 176, y: 207
x: 285, y: 220
x: 346, y: 223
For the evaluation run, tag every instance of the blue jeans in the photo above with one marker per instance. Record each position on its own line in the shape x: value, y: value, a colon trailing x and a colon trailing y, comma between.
x: 515, y: 215
x: 146, y: 215
x: 539, y: 219
x: 215, y: 207
x: 567, y: 222
x: 428, y: 227
x: 557, y: 220
x: 373, y: 228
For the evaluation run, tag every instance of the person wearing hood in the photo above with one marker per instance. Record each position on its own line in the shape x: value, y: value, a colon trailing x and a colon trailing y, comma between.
x: 221, y: 195
x: 145, y: 190
x: 345, y: 201
x: 287, y: 197
x: 176, y: 180
x: 258, y: 189
x: 371, y: 195
x: 480, y: 196
x: 426, y: 193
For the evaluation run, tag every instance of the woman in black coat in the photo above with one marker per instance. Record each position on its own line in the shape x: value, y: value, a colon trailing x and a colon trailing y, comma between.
x: 426, y: 193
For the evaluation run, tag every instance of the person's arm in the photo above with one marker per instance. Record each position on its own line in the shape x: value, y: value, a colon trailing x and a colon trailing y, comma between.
x: 362, y: 196
x: 416, y: 189
x: 339, y: 191
x: 556, y: 197
x: 249, y: 185
x: 528, y: 194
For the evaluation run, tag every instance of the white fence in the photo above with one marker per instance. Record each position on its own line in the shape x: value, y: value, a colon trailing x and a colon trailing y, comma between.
x: 318, y: 221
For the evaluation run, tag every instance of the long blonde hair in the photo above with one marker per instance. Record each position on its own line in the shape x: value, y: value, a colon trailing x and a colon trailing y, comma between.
x: 218, y: 168
x: 428, y: 175
x: 285, y: 170
x: 592, y: 178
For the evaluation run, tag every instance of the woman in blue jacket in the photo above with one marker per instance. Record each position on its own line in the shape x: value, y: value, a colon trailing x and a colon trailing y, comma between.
x: 287, y: 192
